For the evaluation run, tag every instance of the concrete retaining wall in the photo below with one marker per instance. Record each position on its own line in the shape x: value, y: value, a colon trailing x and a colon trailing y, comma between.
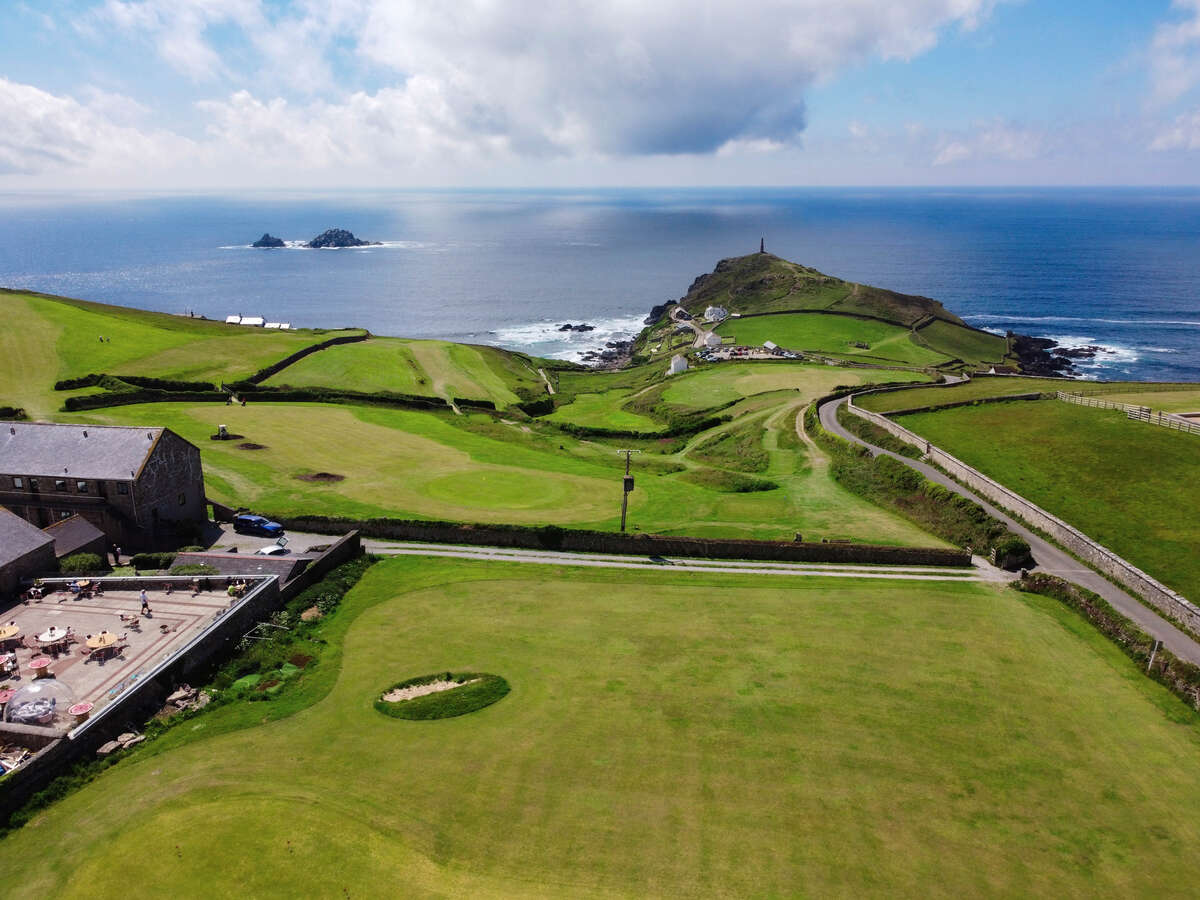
x: 1094, y: 554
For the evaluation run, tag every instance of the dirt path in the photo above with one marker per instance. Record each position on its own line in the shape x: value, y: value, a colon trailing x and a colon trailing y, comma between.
x: 549, y: 386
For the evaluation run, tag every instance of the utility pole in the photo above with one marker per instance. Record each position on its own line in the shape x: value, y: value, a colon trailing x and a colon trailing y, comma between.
x: 627, y: 485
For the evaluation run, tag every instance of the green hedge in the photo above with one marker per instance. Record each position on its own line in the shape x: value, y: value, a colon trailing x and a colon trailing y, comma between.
x: 483, y: 690
x: 152, y: 560
x: 82, y: 564
x: 146, y: 395
x: 1179, y: 677
x: 13, y: 413
x: 287, y: 394
x: 194, y: 569
x: 71, y: 384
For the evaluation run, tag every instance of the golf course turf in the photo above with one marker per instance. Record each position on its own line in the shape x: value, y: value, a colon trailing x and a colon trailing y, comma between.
x: 698, y: 735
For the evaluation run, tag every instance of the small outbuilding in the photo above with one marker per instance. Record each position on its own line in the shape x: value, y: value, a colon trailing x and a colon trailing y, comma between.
x: 25, y: 551
x: 255, y: 321
x: 712, y: 339
x: 678, y: 364
x: 716, y: 313
x: 233, y: 320
x: 76, y: 534
x: 770, y: 345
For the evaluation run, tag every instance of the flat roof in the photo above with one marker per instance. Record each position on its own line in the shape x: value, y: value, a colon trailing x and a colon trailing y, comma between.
x: 109, y: 452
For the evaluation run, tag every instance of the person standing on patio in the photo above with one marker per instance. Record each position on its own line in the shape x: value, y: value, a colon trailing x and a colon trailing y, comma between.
x: 145, y: 603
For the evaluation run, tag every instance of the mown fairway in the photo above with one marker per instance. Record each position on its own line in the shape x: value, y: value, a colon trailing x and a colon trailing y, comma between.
x: 1129, y: 485
x: 833, y: 334
x: 719, y: 383
x: 426, y: 368
x: 695, y: 735
x: 440, y: 466
x: 976, y: 389
x: 44, y: 340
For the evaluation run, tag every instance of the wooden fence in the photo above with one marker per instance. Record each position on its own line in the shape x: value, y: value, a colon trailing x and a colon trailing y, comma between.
x: 1137, y: 413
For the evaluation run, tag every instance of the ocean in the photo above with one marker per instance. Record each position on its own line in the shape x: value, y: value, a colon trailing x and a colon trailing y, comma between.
x: 1117, y: 268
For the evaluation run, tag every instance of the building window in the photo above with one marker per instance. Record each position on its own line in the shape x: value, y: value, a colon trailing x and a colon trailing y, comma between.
x: 182, y: 498
x: 33, y: 485
x: 122, y: 487
x: 64, y: 515
x: 81, y: 486
x: 60, y: 484
x: 18, y: 483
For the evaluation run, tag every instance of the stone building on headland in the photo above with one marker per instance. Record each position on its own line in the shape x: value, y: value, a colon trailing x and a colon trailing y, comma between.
x: 143, y: 487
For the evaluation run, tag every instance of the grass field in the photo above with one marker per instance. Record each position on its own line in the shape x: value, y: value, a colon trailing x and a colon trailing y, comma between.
x: 439, y: 466
x: 1176, y: 401
x: 722, y: 382
x: 976, y: 389
x: 427, y: 368
x: 603, y: 410
x: 962, y: 343
x: 45, y: 340
x: 684, y: 735
x: 1129, y: 485
x: 832, y: 334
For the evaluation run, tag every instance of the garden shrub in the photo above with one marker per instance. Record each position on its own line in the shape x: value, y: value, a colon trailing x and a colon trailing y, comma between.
x: 152, y: 560
x: 81, y: 564
x: 194, y: 569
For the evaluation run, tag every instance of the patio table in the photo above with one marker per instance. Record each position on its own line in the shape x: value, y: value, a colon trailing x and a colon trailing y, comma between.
x: 101, y: 640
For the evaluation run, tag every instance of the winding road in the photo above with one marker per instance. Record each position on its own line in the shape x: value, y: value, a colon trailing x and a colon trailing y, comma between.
x: 1050, y: 559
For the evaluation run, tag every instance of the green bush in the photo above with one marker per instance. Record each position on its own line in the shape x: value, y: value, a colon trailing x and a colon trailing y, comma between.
x: 81, y: 564
x: 13, y: 413
x: 152, y: 560
x: 475, y: 691
x: 194, y: 569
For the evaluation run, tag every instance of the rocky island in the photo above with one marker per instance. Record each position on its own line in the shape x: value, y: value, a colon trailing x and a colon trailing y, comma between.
x: 338, y: 237
x: 268, y: 241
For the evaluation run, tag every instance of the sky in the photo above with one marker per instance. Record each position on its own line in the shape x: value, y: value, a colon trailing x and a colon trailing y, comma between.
x: 219, y: 94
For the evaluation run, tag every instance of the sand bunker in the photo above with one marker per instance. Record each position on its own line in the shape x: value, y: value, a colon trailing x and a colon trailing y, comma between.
x: 420, y: 690
x: 250, y: 445
x: 323, y: 477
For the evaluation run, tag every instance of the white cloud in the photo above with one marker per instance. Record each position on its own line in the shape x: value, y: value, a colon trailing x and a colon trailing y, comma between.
x: 44, y: 133
x: 1182, y: 134
x: 994, y: 140
x: 1174, y: 55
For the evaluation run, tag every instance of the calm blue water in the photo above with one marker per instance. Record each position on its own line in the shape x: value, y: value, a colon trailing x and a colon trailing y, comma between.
x: 1119, y: 268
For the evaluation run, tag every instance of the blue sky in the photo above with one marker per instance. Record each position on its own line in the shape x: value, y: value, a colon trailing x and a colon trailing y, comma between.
x: 342, y: 93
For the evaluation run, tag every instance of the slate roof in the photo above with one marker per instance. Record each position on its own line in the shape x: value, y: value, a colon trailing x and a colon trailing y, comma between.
x: 72, y: 534
x: 107, y: 452
x: 18, y: 537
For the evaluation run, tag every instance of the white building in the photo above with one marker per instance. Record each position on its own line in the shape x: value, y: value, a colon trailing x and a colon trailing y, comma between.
x: 770, y: 345
x: 716, y: 313
x: 712, y: 339
x: 233, y: 320
x: 256, y: 321
x: 678, y: 364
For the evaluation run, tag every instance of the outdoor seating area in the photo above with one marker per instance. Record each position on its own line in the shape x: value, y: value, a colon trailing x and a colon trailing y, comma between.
x: 97, y: 639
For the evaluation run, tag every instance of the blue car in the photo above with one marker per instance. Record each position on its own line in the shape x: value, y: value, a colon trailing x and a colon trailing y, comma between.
x: 247, y: 523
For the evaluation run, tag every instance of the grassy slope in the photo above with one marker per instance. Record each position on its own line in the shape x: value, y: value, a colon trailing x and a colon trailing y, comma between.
x: 692, y: 735
x: 428, y: 368
x: 1167, y: 401
x: 832, y: 334
x: 49, y: 339
x: 1129, y: 485
x: 403, y: 463
x: 962, y: 343
x: 975, y: 389
x: 722, y: 382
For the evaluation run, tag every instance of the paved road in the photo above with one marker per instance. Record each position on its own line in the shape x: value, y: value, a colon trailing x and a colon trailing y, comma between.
x: 1050, y: 559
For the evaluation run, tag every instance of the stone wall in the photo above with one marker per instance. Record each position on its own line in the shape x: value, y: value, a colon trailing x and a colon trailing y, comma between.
x: 1102, y: 559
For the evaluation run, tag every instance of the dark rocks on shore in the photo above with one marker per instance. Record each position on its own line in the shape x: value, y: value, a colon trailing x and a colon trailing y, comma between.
x: 615, y: 353
x: 570, y: 327
x: 656, y: 312
x: 338, y: 237
x: 1035, y: 356
x: 268, y: 241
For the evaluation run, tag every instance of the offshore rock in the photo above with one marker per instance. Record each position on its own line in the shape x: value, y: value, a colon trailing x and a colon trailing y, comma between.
x: 267, y: 241
x: 338, y: 237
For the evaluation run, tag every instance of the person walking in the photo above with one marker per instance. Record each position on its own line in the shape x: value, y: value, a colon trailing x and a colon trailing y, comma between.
x: 145, y: 602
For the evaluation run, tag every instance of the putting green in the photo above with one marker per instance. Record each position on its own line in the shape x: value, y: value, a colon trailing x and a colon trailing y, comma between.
x: 666, y: 734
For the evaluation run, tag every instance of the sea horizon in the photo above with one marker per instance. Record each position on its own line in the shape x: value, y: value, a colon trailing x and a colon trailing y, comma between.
x: 1111, y: 267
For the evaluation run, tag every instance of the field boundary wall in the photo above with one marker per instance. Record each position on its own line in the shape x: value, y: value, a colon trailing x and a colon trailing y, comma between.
x: 263, y: 374
x: 1158, y: 595
x: 563, y: 539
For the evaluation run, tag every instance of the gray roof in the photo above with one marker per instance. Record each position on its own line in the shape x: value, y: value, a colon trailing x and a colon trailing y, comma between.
x: 18, y: 537
x: 108, y: 452
x: 72, y: 534
x: 285, y: 567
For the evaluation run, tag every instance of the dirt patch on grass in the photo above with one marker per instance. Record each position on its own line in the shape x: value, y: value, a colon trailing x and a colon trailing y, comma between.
x: 420, y: 690
x: 250, y: 445
x: 309, y: 614
x: 266, y: 685
x: 300, y: 660
x: 322, y: 477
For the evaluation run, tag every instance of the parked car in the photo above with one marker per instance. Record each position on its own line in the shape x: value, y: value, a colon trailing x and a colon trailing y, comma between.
x: 247, y: 523
x: 272, y: 550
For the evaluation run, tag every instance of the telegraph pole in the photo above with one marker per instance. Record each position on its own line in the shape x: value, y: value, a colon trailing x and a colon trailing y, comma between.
x: 627, y: 485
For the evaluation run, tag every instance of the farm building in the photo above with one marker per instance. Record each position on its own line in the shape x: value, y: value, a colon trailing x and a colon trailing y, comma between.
x: 678, y: 364
x: 142, y: 487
